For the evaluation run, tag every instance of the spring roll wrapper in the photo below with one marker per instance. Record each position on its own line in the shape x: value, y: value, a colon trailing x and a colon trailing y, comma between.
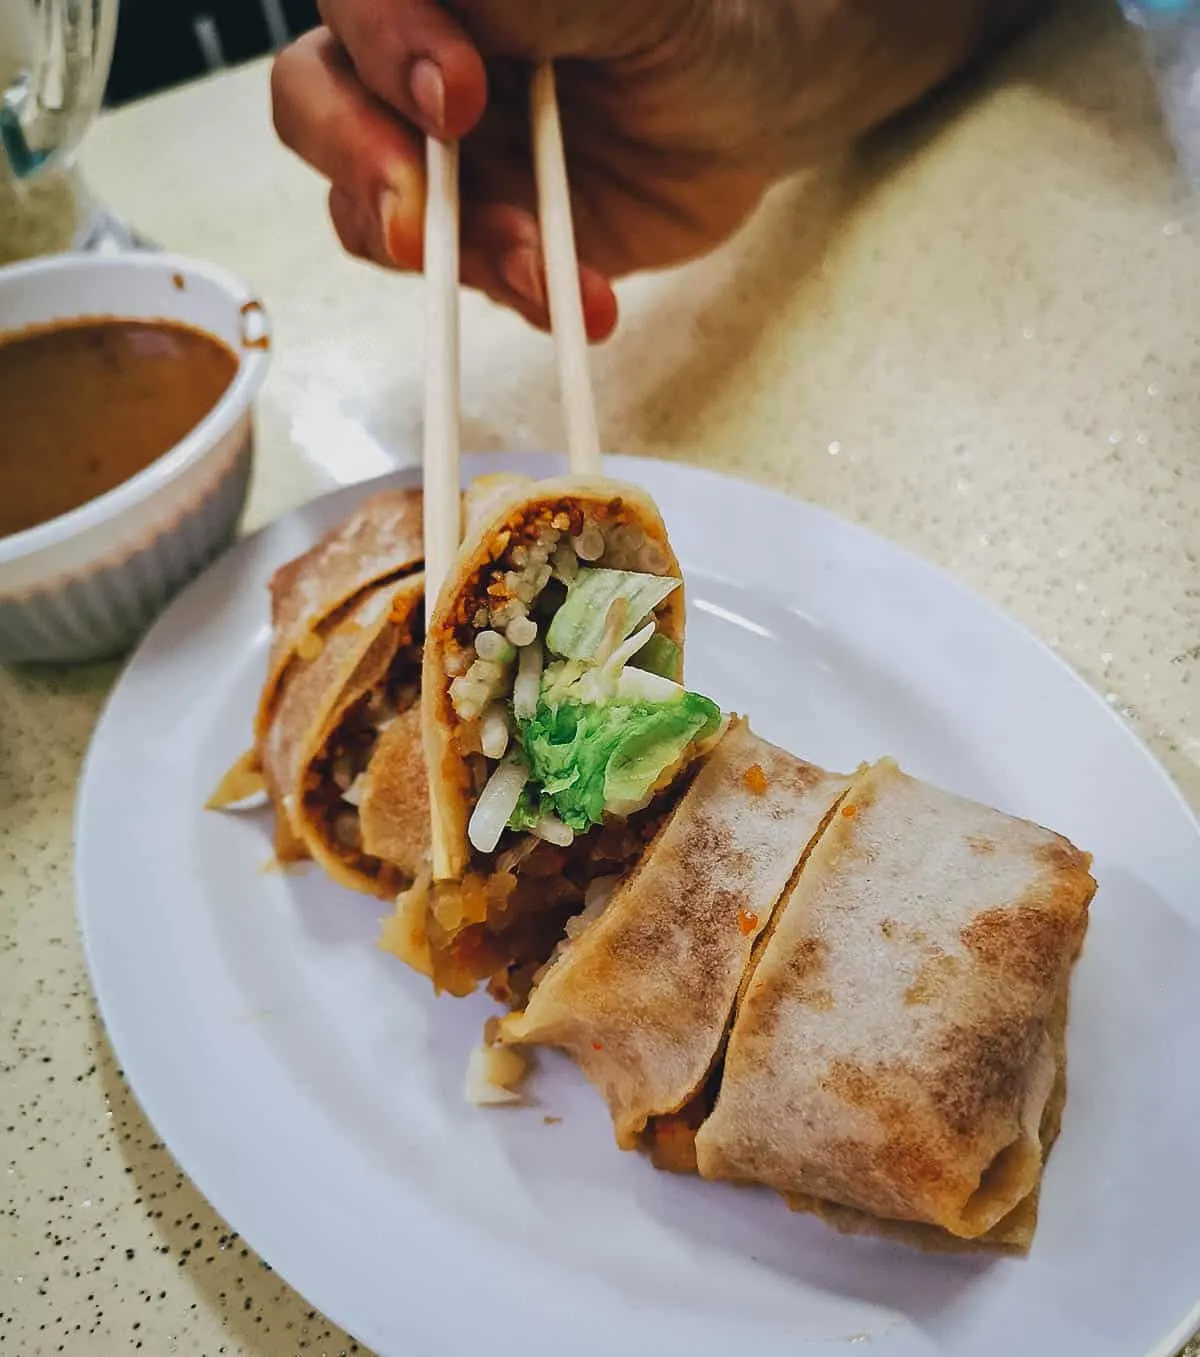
x: 897, y: 1055
x: 354, y: 658
x: 642, y: 999
x: 381, y: 539
x: 487, y: 493
x: 1012, y: 1233
x: 394, y: 811
x: 487, y: 540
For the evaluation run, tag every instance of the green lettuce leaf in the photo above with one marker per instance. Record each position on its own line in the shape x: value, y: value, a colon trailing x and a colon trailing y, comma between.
x: 530, y: 809
x: 585, y: 759
x: 660, y: 655
x: 582, y: 624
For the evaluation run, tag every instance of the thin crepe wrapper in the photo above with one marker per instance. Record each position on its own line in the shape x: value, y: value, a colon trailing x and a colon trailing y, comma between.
x: 1013, y: 1233
x: 898, y: 1053
x: 642, y: 998
x: 382, y: 539
x: 355, y: 657
x: 450, y: 783
x: 394, y: 810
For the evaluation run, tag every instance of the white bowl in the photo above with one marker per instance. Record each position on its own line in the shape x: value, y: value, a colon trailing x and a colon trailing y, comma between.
x: 86, y: 584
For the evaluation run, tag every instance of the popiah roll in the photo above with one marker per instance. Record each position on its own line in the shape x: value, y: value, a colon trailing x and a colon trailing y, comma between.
x: 552, y: 713
x: 642, y: 993
x: 898, y: 1054
x: 345, y: 736
x: 311, y: 595
x: 381, y: 540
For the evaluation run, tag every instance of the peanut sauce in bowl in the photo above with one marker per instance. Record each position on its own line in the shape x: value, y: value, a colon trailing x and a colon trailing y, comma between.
x: 90, y: 403
x: 127, y: 386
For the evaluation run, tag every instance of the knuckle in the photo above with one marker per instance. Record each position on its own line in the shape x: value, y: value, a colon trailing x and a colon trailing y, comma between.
x: 381, y: 55
x: 283, y: 104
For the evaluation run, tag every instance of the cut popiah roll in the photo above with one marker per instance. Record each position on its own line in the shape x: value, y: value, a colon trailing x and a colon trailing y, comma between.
x: 552, y: 715
x: 559, y: 578
x: 897, y: 1055
x: 381, y: 540
x: 642, y: 990
x: 333, y: 649
x: 345, y: 736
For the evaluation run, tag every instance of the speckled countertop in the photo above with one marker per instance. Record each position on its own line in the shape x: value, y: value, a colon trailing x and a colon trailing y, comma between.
x: 979, y: 337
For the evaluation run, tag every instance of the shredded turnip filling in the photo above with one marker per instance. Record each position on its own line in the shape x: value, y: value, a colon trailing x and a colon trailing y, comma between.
x: 496, y: 803
x: 490, y: 645
x: 552, y: 829
x: 521, y: 631
x: 625, y: 652
x: 560, y: 617
x: 529, y: 680
x: 530, y: 566
x: 493, y: 1076
x: 493, y: 731
x: 508, y: 625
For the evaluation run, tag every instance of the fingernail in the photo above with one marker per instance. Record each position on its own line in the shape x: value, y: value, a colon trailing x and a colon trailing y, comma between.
x: 429, y: 90
x: 521, y: 269
x: 393, y: 218
x: 401, y: 209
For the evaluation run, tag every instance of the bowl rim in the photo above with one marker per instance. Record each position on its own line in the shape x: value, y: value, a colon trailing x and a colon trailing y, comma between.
x: 203, y: 438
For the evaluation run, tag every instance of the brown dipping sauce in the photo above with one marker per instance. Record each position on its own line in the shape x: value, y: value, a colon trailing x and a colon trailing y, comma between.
x: 88, y: 404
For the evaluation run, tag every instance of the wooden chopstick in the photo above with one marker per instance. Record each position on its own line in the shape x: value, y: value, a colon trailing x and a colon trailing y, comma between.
x: 442, y: 486
x: 442, y: 494
x: 562, y: 276
x: 443, y: 514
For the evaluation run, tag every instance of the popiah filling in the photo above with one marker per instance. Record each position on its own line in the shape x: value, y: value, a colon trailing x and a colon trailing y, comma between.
x: 563, y: 684
x: 670, y: 1139
x: 504, y: 923
x: 336, y: 779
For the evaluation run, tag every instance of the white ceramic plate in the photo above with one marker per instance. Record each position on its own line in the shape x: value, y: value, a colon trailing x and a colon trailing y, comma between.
x: 312, y: 1086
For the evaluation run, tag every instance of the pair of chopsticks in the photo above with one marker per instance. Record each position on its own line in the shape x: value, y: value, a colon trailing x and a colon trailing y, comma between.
x: 443, y: 515
x: 441, y: 452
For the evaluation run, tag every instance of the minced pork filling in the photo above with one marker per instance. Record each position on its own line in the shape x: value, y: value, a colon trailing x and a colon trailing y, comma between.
x: 334, y: 784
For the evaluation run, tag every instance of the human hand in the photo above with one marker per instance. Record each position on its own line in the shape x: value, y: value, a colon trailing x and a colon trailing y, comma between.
x: 677, y: 116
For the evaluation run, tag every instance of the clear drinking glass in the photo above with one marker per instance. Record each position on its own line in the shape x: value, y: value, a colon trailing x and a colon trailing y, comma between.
x: 1171, y: 34
x: 54, y: 60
